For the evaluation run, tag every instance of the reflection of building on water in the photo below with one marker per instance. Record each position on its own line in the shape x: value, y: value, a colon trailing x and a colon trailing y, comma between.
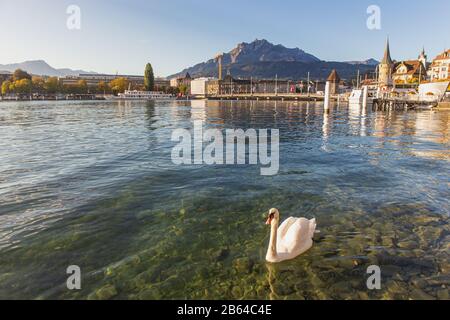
x: 198, y: 110
x: 124, y: 108
x: 427, y: 126
x: 433, y: 127
x: 326, y: 126
x: 364, y: 119
x: 218, y: 112
x: 354, y: 115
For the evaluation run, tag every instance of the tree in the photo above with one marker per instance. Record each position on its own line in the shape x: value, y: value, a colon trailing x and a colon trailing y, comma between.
x: 183, y: 89
x: 149, y: 78
x: 5, y: 87
x: 82, y: 86
x: 52, y: 85
x: 12, y: 87
x: 19, y: 74
x: 22, y: 86
x: 173, y: 90
x: 38, y: 84
x: 119, y: 85
x: 102, y: 87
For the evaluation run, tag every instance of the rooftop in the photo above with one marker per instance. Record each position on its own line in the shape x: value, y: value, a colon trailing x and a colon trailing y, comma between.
x: 334, y: 77
x: 444, y: 55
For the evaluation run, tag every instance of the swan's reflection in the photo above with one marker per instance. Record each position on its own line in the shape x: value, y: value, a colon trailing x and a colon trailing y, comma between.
x: 271, y: 275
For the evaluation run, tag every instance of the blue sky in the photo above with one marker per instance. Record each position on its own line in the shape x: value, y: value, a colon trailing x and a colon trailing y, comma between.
x: 122, y: 35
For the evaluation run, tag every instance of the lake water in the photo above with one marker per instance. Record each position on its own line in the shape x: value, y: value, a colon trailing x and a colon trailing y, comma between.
x: 92, y: 184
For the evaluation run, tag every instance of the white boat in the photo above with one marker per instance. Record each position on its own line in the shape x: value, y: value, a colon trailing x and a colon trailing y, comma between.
x: 433, y: 91
x: 144, y: 95
x: 357, y: 96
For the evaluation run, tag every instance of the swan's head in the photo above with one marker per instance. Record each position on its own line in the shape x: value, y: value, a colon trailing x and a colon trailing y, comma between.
x: 274, y: 215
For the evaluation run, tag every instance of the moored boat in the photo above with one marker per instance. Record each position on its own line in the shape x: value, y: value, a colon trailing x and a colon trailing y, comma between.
x: 357, y: 96
x: 144, y: 95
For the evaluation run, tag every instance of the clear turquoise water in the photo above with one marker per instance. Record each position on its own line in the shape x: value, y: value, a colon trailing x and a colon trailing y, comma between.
x: 92, y: 184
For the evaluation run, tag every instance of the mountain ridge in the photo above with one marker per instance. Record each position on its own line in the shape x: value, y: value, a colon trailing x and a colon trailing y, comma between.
x: 261, y: 58
x: 42, y: 68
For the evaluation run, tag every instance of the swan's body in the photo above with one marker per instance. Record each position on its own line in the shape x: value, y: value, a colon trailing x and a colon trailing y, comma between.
x: 291, y: 239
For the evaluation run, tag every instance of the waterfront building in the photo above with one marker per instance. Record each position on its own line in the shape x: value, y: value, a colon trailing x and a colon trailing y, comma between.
x: 409, y: 72
x: 93, y: 80
x: 335, y: 81
x: 199, y: 86
x: 161, y: 84
x: 385, y: 68
x: 213, y: 87
x: 186, y: 81
x: 174, y: 82
x: 230, y: 85
x: 440, y: 67
x: 5, y: 75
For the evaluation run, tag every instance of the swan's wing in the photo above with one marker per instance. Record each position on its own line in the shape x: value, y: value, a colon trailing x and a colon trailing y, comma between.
x: 282, y: 230
x: 298, y: 235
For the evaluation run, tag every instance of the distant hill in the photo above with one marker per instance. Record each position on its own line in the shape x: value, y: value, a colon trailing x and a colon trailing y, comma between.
x: 369, y: 62
x: 262, y: 59
x: 42, y: 68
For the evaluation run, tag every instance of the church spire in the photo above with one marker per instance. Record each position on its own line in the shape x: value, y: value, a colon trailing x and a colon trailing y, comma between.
x: 423, y: 58
x: 387, y: 55
x: 423, y: 54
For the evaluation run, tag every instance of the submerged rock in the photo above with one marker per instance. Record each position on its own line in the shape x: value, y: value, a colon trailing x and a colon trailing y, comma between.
x: 107, y: 292
x: 221, y: 254
x: 283, y: 289
x: 390, y: 270
x: 387, y: 241
x: 363, y: 295
x: 236, y: 292
x: 243, y: 265
x: 408, y: 244
x: 442, y: 294
x: 419, y: 283
x: 418, y: 294
x: 444, y: 267
x: 150, y: 294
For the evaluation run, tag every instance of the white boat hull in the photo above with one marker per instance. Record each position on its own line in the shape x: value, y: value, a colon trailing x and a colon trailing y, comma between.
x: 144, y: 96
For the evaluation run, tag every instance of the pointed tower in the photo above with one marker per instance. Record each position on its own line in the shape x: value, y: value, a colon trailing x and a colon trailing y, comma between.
x: 334, y: 80
x: 423, y: 58
x: 385, y: 68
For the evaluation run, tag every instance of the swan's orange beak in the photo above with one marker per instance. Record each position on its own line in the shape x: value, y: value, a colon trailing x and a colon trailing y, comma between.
x: 269, y: 220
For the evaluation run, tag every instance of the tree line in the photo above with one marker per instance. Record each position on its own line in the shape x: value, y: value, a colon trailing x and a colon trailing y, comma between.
x: 21, y: 82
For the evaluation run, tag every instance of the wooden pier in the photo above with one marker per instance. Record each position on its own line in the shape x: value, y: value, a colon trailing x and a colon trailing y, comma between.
x: 385, y: 104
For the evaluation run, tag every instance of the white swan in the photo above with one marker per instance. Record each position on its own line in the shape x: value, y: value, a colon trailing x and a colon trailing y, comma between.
x: 293, y: 238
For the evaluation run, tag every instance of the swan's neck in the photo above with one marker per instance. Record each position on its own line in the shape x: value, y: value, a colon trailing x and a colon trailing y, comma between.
x: 272, y: 251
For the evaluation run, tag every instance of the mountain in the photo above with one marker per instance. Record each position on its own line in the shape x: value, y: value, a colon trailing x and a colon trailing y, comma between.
x: 262, y: 59
x: 42, y: 68
x: 368, y: 62
x: 264, y: 51
x: 298, y: 70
